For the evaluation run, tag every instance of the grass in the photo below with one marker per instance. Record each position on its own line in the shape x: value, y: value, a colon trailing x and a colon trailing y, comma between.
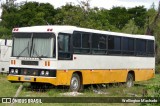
x: 9, y: 89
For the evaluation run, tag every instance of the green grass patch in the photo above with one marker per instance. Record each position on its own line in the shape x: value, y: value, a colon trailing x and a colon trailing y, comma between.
x: 9, y: 89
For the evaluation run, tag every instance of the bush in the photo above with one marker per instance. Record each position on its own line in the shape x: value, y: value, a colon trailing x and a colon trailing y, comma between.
x: 157, y: 70
x: 153, y: 91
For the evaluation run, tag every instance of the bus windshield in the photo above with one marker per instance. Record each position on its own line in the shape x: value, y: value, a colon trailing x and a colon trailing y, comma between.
x: 38, y: 45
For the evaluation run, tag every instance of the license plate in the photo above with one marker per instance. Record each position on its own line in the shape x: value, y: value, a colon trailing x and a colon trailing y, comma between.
x: 27, y: 78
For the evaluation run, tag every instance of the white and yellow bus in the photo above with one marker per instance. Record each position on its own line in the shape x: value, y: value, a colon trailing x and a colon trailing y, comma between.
x: 73, y: 56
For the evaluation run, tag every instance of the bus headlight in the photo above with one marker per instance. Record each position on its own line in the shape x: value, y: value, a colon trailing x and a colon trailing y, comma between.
x: 25, y: 71
x: 12, y: 71
x: 42, y: 72
x: 16, y: 71
x: 47, y: 73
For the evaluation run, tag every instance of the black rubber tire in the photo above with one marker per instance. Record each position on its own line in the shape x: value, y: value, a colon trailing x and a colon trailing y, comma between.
x: 130, y: 80
x: 75, y: 83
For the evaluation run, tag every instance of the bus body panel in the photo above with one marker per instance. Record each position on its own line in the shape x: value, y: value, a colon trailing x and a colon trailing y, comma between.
x: 106, y: 62
x: 88, y: 76
x: 94, y: 68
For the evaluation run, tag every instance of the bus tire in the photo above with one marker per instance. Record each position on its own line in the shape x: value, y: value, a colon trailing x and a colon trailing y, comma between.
x: 75, y: 83
x: 129, y: 80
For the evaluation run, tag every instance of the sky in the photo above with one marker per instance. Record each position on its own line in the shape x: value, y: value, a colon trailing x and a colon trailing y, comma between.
x: 108, y: 4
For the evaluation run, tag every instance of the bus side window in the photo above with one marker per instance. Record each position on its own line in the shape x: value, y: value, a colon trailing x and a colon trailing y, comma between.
x: 150, y: 48
x: 64, y: 47
x: 81, y: 42
x: 77, y: 42
x: 114, y: 45
x: 98, y: 43
x: 128, y: 46
x: 141, y: 47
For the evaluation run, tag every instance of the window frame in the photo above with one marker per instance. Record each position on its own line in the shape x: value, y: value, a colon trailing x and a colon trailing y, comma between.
x: 131, y: 47
x: 128, y: 52
x: 151, y: 54
x: 70, y: 47
x: 53, y: 36
x: 98, y: 49
x: 81, y: 50
x: 140, y: 52
x: 113, y: 51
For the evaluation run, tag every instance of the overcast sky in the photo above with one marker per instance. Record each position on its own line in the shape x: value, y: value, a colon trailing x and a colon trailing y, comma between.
x: 99, y: 3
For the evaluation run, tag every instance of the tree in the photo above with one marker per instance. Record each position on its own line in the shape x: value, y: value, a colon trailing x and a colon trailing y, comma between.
x: 27, y: 14
x: 118, y: 17
x: 139, y: 14
x: 34, y: 13
x: 130, y: 27
x: 152, y: 28
x: 76, y: 15
x: 31, y: 13
x: 4, y: 32
x: 9, y: 16
x: 69, y: 15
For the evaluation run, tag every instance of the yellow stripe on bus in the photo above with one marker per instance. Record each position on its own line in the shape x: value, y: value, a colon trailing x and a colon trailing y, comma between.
x: 63, y: 77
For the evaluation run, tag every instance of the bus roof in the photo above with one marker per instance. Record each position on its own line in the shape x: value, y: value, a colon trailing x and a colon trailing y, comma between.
x: 71, y: 29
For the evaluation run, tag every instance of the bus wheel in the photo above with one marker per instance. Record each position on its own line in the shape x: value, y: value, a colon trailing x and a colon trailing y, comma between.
x: 130, y: 80
x: 75, y: 84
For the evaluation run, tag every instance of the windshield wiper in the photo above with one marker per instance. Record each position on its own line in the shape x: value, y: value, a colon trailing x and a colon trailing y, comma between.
x: 40, y: 57
x: 24, y: 50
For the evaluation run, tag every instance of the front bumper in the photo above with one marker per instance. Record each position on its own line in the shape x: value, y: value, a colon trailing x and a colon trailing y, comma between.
x: 62, y: 78
x: 21, y: 78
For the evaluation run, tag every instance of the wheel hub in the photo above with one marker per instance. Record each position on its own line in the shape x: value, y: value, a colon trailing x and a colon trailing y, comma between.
x: 74, y: 83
